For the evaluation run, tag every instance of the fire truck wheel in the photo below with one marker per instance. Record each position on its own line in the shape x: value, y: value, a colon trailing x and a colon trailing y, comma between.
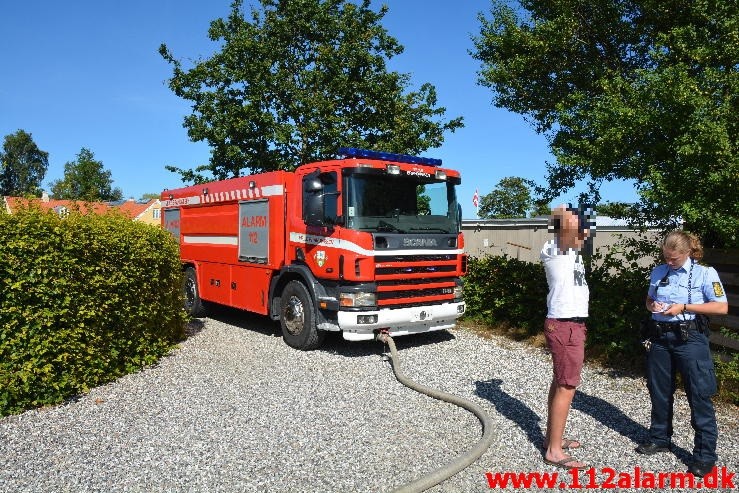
x: 298, y: 319
x: 193, y: 304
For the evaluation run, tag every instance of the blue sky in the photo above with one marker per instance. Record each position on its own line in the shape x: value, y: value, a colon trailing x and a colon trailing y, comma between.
x: 88, y: 74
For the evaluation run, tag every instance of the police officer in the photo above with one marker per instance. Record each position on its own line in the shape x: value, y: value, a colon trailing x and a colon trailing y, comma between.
x: 680, y: 292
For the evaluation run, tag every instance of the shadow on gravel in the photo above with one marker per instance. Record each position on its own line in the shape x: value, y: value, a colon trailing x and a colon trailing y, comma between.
x: 260, y: 324
x: 615, y: 419
x: 194, y: 327
x: 513, y: 409
x: 334, y: 342
x: 599, y: 409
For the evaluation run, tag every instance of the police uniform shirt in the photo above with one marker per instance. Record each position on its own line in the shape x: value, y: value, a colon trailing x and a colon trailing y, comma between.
x: 568, y: 292
x: 670, y: 286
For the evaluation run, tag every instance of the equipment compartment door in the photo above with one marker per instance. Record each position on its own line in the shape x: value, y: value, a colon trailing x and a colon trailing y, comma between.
x: 254, y: 231
x: 172, y: 222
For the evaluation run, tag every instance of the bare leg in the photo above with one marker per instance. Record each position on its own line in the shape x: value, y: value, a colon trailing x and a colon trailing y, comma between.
x: 550, y: 399
x: 558, y: 407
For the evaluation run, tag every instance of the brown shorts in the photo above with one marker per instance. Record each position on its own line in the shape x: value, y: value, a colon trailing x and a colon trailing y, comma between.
x: 566, y: 341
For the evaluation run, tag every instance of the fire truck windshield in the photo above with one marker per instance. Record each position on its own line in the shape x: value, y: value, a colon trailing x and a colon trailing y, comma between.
x: 400, y: 204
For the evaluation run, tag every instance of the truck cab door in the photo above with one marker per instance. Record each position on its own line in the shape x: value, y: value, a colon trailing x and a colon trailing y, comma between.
x: 320, y: 198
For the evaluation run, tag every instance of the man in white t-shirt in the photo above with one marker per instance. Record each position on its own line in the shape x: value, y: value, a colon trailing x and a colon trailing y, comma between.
x: 564, y: 328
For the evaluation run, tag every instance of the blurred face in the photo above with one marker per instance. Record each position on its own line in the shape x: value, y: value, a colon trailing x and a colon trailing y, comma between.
x: 569, y: 234
x: 674, y: 258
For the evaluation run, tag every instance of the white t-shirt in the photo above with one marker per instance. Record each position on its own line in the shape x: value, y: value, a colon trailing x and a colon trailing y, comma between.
x: 568, y: 292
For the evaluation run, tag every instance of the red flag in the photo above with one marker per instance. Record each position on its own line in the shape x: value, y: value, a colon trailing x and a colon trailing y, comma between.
x: 476, y: 198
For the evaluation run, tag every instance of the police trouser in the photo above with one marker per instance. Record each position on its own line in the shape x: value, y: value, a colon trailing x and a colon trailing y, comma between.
x: 692, y: 358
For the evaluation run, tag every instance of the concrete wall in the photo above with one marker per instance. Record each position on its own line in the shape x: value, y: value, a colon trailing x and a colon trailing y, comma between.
x: 522, y: 239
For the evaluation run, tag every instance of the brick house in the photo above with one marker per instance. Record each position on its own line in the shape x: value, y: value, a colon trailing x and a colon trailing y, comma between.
x: 147, y: 212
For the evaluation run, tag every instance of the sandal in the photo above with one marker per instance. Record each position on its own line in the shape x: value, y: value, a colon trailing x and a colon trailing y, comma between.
x: 564, y: 463
x: 567, y: 444
x: 570, y: 444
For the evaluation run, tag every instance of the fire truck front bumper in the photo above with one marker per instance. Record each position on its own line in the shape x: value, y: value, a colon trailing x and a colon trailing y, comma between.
x: 362, y: 326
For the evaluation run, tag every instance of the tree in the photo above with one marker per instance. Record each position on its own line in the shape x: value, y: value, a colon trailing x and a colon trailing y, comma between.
x: 614, y: 209
x: 85, y: 179
x: 295, y: 82
x: 541, y: 207
x: 149, y: 196
x: 22, y: 165
x: 423, y: 201
x: 642, y: 90
x: 510, y: 198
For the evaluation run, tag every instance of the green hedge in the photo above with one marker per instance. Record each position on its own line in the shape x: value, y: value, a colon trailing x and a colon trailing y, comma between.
x: 618, y: 279
x: 84, y: 299
x: 505, y: 291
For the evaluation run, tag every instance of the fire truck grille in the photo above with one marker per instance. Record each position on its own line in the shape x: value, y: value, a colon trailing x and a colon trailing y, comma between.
x: 383, y: 271
x: 414, y: 258
x: 418, y: 290
x: 404, y: 281
x: 415, y: 266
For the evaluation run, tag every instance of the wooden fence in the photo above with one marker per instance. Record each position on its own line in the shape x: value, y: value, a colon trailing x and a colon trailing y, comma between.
x: 726, y: 262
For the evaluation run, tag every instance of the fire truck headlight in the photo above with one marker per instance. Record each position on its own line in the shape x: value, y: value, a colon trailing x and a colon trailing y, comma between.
x: 366, y: 319
x: 393, y: 169
x: 357, y: 299
x: 440, y: 175
x: 458, y: 292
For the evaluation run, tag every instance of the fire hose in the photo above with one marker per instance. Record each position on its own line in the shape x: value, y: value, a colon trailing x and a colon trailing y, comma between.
x: 461, y: 462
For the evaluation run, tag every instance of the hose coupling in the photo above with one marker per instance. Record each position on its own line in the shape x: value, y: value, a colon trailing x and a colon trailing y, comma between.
x: 382, y: 335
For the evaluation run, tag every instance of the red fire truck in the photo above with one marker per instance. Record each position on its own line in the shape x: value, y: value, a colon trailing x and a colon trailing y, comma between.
x: 363, y: 244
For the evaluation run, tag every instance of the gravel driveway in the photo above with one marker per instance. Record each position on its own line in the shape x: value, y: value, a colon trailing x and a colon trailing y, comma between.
x: 236, y: 410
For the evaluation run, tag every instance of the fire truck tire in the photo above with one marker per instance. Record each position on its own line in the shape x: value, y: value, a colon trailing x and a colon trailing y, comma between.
x: 193, y: 304
x: 298, y: 318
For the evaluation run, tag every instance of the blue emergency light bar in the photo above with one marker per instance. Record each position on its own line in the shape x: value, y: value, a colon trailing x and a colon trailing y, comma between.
x: 388, y: 156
